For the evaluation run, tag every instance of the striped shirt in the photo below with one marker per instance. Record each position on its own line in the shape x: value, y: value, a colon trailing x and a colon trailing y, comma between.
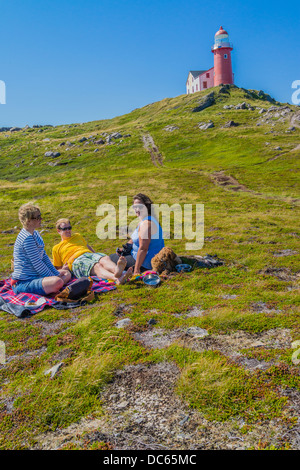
x: 30, y: 258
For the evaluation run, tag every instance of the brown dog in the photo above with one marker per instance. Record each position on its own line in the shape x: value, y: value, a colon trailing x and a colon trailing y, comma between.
x: 165, y: 261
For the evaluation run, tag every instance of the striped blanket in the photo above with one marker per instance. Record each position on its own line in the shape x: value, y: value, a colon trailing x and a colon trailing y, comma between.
x: 16, y: 304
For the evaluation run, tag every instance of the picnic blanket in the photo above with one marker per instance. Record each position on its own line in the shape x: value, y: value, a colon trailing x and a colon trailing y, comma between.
x: 16, y: 304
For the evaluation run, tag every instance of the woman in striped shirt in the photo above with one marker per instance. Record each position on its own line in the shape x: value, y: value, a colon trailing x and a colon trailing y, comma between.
x: 33, y: 271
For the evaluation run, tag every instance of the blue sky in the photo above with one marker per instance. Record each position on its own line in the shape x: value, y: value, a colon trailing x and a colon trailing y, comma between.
x: 77, y: 61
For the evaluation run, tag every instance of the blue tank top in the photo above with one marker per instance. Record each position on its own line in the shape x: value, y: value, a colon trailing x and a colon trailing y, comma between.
x: 156, y: 243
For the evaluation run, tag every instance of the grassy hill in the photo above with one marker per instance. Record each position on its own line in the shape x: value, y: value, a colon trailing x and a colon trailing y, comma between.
x: 159, y: 383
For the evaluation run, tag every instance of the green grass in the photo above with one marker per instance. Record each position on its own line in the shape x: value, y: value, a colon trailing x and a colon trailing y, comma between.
x: 244, y: 228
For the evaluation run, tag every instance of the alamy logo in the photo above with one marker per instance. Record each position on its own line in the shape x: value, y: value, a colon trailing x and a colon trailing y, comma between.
x: 2, y: 92
x: 2, y: 352
x: 188, y: 222
x: 296, y: 94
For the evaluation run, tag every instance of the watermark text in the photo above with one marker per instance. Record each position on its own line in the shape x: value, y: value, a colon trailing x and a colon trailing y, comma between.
x: 296, y: 94
x: 177, y: 221
x: 2, y: 92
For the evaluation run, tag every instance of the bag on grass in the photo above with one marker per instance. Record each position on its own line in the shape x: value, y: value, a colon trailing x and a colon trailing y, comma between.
x: 78, y: 290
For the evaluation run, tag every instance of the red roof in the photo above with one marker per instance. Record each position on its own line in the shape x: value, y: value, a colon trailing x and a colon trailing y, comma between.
x: 221, y: 31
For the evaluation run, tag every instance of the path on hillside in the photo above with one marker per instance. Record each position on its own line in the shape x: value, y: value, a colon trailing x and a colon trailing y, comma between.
x: 227, y: 182
x: 152, y: 148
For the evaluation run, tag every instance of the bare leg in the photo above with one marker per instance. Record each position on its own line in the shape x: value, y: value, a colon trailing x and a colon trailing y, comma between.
x: 109, y: 265
x: 125, y: 276
x: 100, y: 272
x: 52, y: 284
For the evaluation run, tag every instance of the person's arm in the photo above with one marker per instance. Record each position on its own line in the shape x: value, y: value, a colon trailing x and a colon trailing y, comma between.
x: 48, y: 263
x: 144, y: 242
x: 40, y: 266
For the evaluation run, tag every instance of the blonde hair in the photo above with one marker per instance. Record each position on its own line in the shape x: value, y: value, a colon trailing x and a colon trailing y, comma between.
x: 62, y: 221
x: 28, y: 212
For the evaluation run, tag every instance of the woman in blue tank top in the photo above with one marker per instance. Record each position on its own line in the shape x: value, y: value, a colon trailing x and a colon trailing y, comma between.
x: 147, y: 239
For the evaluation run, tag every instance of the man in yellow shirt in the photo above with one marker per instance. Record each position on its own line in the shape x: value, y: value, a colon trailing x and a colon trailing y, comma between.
x: 74, y: 253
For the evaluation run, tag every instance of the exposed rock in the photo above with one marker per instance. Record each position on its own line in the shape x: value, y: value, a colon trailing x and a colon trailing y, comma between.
x: 196, y: 332
x: 286, y: 253
x: 207, y: 101
x: 52, y: 154
x: 262, y: 307
x: 170, y: 128
x: 158, y: 338
x: 53, y: 371
x: 205, y: 125
x: 123, y: 323
x: 114, y: 135
x: 265, y: 96
x: 83, y: 139
x: 231, y: 124
x: 193, y: 312
x: 224, y: 89
x: 282, y: 273
x: 121, y: 308
x: 272, y: 109
x: 241, y: 106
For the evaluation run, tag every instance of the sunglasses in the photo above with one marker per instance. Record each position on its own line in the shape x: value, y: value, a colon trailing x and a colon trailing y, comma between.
x: 65, y: 228
x: 36, y: 218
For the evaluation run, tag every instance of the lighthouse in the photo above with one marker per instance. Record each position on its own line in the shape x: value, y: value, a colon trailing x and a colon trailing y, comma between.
x: 222, y: 58
x: 220, y: 73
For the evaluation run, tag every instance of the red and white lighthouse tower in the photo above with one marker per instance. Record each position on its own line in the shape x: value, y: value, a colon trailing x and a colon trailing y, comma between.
x: 222, y: 58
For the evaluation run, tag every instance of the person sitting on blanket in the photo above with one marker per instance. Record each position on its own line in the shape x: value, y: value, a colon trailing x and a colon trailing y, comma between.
x: 147, y: 239
x: 33, y: 271
x: 75, y: 254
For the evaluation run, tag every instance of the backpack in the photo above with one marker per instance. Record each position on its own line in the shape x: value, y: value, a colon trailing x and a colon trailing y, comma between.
x: 79, y: 290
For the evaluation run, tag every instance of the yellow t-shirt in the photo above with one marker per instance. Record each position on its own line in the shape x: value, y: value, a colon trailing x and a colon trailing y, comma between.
x: 69, y: 249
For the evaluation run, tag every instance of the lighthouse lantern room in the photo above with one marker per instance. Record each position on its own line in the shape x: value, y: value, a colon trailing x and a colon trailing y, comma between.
x: 222, y: 58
